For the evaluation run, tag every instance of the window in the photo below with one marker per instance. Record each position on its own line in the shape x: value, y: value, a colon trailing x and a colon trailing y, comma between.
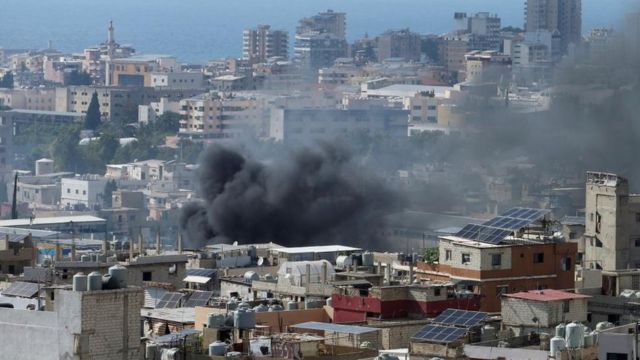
x: 637, y: 217
x: 598, y: 222
x: 636, y: 242
x: 436, y: 291
x: 501, y: 290
x: 566, y: 264
x: 496, y: 259
x: 146, y: 276
x: 538, y: 258
x: 466, y: 258
x: 572, y: 235
x: 566, y: 306
x: 447, y: 254
x: 84, y: 192
x: 68, y: 191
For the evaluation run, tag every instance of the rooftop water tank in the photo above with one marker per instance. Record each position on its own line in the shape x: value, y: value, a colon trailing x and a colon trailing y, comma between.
x: 343, y: 261
x: 94, y: 281
x: 557, y: 344
x: 233, y: 355
x: 249, y: 276
x: 292, y: 305
x: 151, y: 351
x: 488, y: 332
x: 261, y: 308
x: 269, y: 277
x: 231, y: 305
x: 244, y: 319
x: 588, y: 340
x: 119, y: 276
x: 329, y: 301
x: 80, y: 282
x: 560, y: 330
x: 85, y: 258
x: 215, y: 320
x: 367, y: 259
x: 275, y: 307
x: 217, y: 348
x: 574, y: 335
x: 171, y: 354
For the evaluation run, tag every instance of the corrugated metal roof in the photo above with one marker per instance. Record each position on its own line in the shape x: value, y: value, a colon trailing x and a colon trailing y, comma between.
x: 159, y: 259
x: 345, y: 329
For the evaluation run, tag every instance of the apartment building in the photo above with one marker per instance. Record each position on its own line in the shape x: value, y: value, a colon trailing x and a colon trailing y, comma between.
x: 85, y: 191
x: 29, y: 99
x: 506, y: 254
x: 16, y: 253
x: 137, y: 70
x: 177, y: 79
x: 315, y: 50
x: 561, y: 16
x: 612, y: 224
x: 487, y: 66
x: 292, y: 125
x: 222, y: 116
x: 327, y: 22
x: 399, y: 44
x: 261, y: 43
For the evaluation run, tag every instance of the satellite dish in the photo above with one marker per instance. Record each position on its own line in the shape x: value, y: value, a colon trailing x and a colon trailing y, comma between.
x: 235, y: 243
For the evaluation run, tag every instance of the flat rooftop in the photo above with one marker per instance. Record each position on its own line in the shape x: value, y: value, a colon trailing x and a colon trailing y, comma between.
x: 77, y: 219
x: 316, y: 249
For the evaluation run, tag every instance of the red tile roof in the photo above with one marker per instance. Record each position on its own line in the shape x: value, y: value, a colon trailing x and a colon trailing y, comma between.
x: 546, y: 295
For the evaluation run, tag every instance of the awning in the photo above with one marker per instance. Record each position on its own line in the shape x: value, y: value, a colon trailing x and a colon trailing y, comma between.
x: 197, y: 279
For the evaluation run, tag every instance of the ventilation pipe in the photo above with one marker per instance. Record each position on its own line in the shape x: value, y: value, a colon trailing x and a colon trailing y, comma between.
x: 157, y: 242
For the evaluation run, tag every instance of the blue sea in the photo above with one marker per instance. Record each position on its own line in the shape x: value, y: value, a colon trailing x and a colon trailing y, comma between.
x: 199, y: 30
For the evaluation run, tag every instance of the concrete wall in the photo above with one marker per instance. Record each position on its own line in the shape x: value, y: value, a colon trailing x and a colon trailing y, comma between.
x: 613, y: 343
x: 520, y: 312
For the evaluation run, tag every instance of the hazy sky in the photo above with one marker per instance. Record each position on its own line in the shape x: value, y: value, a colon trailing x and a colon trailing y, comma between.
x: 197, y: 30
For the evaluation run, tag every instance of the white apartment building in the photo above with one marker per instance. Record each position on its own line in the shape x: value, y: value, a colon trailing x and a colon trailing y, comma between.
x: 178, y: 80
x: 87, y: 190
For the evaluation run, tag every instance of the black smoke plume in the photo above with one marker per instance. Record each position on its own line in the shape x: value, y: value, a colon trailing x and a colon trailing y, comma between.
x: 310, y: 196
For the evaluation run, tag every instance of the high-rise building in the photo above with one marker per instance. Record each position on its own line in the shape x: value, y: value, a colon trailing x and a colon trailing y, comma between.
x: 564, y: 16
x: 482, y: 30
x: 262, y: 43
x: 330, y: 22
x: 399, y: 44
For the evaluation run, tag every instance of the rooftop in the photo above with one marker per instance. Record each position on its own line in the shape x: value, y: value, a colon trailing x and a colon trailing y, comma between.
x: 546, y: 295
x: 44, y: 112
x: 316, y: 249
x: 345, y: 329
x: 26, y: 222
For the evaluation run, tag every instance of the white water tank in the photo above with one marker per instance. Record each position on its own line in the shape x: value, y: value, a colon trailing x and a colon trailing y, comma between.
x: 44, y: 167
x: 329, y: 302
x: 249, y: 276
x: 118, y: 276
x: 261, y: 308
x: 343, y: 262
x: 588, y: 340
x: 601, y: 326
x: 80, y: 282
x: 574, y: 335
x: 560, y: 330
x: 94, y: 281
x: 217, y: 348
x: 556, y: 345
x: 233, y: 355
x: 171, y: 354
x: 275, y: 307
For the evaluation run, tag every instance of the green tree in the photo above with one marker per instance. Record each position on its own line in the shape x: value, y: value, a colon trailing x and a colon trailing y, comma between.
x: 107, y: 195
x: 431, y: 255
x: 512, y: 29
x: 64, y: 150
x: 7, y: 81
x: 92, y: 120
x: 167, y: 123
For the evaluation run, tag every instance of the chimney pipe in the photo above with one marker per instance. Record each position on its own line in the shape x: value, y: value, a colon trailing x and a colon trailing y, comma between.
x: 140, y: 243
x: 158, y: 242
x: 410, y: 273
x: 179, y: 242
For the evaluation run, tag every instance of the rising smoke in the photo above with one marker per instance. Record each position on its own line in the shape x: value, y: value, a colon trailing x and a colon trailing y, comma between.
x: 312, y: 195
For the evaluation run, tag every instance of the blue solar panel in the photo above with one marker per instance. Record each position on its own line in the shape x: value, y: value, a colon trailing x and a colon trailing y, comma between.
x: 201, y: 272
x: 460, y: 317
x: 493, y: 231
x: 170, y: 300
x: 441, y: 334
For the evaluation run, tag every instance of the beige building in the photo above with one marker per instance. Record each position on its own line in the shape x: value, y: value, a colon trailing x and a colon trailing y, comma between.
x: 222, y: 116
x: 612, y: 225
x: 16, y: 253
x: 29, y: 99
x: 262, y: 43
x: 487, y: 66
x: 138, y: 70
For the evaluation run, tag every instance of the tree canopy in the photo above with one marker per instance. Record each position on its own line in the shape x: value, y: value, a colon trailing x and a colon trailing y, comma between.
x: 92, y: 120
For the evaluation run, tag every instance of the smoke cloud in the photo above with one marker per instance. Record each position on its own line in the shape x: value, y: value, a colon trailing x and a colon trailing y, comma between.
x: 310, y: 196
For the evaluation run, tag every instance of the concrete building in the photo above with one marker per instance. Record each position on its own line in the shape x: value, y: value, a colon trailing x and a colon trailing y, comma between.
x: 103, y: 324
x: 399, y: 44
x: 149, y: 113
x: 529, y: 259
x: 452, y: 50
x: 612, y: 223
x: 138, y: 70
x: 541, y: 310
x: 16, y: 253
x: 328, y: 22
x: 487, y: 66
x: 29, y: 99
x: 38, y: 191
x: 222, y: 116
x: 262, y: 43
x: 483, y: 29
x: 315, y: 50
x: 85, y: 191
x: 291, y: 125
x: 177, y: 79
x: 563, y: 16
